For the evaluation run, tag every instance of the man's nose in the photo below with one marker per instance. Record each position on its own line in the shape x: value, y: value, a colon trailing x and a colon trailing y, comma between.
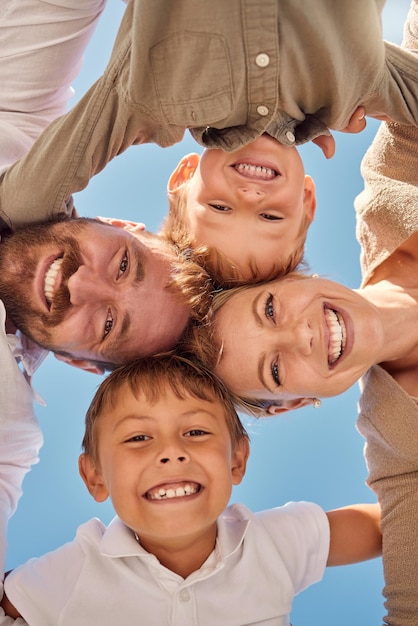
x: 86, y: 286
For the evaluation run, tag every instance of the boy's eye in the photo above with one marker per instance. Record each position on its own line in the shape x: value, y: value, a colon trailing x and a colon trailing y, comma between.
x: 139, y: 438
x: 108, y: 324
x: 269, y: 307
x: 195, y: 432
x: 275, y: 373
x: 123, y: 264
x: 270, y: 217
x: 220, y: 207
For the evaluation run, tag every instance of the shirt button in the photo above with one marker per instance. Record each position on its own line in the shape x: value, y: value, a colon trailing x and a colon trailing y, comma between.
x: 262, y: 110
x: 262, y: 60
x: 290, y: 136
x: 184, y: 595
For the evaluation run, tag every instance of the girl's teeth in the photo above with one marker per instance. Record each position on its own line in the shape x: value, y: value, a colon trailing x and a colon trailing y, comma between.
x: 256, y: 171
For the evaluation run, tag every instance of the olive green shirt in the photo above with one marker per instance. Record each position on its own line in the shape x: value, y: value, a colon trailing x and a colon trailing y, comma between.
x: 228, y: 70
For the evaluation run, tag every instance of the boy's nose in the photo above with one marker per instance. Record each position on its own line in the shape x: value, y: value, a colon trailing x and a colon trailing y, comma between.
x: 166, y: 459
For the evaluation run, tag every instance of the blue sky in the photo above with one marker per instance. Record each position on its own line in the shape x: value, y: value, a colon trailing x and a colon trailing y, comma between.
x: 310, y: 454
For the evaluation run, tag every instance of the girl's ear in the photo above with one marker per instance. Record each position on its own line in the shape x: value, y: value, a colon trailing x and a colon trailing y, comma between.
x: 309, y: 198
x: 92, y: 478
x: 283, y: 406
x: 184, y: 171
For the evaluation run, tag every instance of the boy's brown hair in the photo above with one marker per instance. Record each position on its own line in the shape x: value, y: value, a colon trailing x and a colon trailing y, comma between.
x: 222, y: 270
x: 152, y: 377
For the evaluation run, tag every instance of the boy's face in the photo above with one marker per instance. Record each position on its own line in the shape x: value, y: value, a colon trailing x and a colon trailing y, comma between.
x: 250, y: 204
x: 168, y: 467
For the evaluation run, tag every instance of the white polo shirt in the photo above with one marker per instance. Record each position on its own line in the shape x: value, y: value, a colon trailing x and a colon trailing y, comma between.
x: 261, y: 561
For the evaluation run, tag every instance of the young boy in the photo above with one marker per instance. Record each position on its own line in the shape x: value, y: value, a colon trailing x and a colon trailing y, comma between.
x: 164, y: 442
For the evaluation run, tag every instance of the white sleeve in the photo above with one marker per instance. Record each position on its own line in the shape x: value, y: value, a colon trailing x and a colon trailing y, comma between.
x: 42, y: 43
x: 20, y: 435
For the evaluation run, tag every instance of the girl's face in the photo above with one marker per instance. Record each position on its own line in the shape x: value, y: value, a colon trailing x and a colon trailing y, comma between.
x: 296, y: 338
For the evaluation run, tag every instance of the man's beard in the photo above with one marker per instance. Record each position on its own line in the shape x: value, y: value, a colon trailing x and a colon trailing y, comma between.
x: 18, y: 263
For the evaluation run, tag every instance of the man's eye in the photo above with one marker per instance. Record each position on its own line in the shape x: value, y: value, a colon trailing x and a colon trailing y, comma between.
x: 123, y: 265
x: 220, y: 207
x: 108, y: 324
x: 271, y: 218
x: 275, y: 373
x: 195, y: 432
x: 269, y: 307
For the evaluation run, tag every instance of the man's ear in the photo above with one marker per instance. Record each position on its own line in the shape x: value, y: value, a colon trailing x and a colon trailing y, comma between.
x: 309, y: 197
x: 283, y: 406
x: 125, y: 224
x: 185, y: 169
x: 83, y: 364
x: 92, y: 478
x: 239, y: 460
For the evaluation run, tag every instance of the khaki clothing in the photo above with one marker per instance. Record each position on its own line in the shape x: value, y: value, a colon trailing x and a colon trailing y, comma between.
x: 387, y: 214
x: 228, y: 71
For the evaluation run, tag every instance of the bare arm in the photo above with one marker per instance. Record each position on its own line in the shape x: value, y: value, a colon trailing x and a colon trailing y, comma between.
x: 355, y: 534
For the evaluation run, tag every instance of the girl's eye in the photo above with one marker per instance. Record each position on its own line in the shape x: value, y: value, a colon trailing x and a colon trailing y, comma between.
x: 123, y: 265
x: 220, y: 207
x: 275, y: 373
x: 271, y: 218
x: 195, y: 432
x: 269, y: 307
x: 108, y: 324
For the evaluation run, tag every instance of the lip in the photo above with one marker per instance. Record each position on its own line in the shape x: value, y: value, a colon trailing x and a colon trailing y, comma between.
x: 349, y: 335
x: 173, y: 485
x: 40, y: 280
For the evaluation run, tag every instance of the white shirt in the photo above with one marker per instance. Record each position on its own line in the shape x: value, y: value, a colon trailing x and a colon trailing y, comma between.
x: 105, y: 577
x: 41, y: 48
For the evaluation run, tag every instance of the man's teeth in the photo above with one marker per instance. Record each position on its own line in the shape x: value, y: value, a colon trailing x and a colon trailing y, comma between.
x: 163, y: 493
x: 50, y: 278
x: 337, y: 335
x: 256, y: 171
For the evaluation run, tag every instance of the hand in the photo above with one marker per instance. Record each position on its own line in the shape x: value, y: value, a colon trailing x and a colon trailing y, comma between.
x: 327, y: 145
x: 357, y: 121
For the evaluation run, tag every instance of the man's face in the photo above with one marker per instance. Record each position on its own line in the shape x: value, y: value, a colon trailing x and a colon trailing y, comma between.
x: 93, y: 290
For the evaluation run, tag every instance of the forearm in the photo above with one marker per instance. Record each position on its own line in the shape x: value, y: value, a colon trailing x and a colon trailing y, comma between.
x: 355, y: 534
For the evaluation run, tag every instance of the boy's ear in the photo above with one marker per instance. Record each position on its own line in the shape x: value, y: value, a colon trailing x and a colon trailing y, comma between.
x: 124, y: 224
x: 309, y: 197
x: 83, y: 364
x: 92, y: 478
x: 185, y: 169
x: 283, y: 406
x: 239, y: 460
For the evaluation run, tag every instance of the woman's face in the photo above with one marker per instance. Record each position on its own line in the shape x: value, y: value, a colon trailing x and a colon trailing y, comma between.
x: 295, y: 338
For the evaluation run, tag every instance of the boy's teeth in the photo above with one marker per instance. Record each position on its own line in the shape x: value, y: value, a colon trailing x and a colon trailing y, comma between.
x: 50, y: 278
x: 256, y: 171
x: 337, y: 335
x: 180, y: 491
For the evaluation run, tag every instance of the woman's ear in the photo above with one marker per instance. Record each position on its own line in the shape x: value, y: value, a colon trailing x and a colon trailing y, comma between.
x: 92, y: 478
x: 184, y: 171
x: 283, y: 406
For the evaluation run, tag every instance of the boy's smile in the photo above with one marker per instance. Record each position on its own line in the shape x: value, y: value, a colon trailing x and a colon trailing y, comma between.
x: 168, y: 467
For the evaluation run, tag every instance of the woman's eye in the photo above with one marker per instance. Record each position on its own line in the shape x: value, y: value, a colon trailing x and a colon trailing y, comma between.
x: 108, y: 324
x: 275, y: 373
x: 269, y: 307
x: 220, y: 207
x: 195, y: 432
x: 123, y: 265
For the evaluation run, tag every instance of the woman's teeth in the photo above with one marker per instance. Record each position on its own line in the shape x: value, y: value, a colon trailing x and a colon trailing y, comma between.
x: 337, y: 335
x: 162, y: 493
x: 50, y: 278
x: 256, y: 171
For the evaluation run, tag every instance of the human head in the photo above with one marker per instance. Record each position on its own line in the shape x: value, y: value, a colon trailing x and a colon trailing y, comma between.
x: 250, y: 209
x: 94, y: 292
x: 163, y: 423
x: 281, y: 345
